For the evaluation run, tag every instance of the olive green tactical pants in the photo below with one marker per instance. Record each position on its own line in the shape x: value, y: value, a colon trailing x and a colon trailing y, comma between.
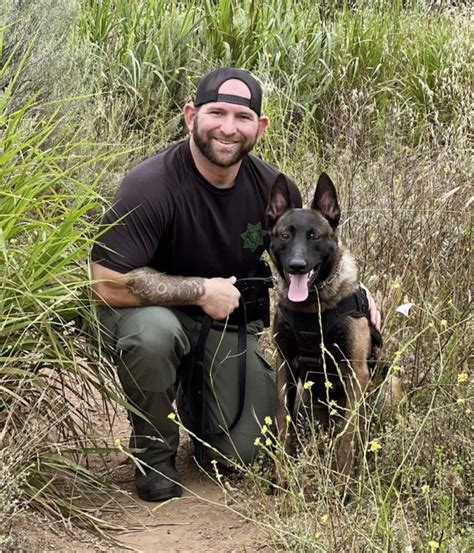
x: 150, y: 345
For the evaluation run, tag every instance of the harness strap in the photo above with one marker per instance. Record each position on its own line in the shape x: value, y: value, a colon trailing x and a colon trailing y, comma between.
x: 355, y: 305
x: 307, y: 327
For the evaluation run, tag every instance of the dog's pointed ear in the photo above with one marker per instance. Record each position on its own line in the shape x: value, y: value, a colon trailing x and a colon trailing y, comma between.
x: 325, y: 200
x: 279, y: 201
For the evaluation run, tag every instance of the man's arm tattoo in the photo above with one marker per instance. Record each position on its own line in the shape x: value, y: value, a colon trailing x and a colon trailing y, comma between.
x: 154, y: 288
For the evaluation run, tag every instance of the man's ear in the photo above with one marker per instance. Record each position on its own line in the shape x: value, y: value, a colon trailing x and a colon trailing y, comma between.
x: 190, y: 113
x: 325, y: 200
x: 279, y: 201
x: 263, y: 123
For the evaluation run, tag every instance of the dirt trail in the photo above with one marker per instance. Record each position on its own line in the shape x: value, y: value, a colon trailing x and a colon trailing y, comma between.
x: 198, y: 521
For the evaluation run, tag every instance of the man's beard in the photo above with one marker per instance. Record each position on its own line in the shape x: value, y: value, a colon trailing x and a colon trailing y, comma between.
x: 206, y: 147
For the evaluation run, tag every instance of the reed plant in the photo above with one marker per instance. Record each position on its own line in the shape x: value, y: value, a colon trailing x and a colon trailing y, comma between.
x: 391, y: 66
x: 51, y: 375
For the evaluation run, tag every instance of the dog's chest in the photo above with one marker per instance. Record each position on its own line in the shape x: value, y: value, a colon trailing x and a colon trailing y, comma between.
x: 300, y: 338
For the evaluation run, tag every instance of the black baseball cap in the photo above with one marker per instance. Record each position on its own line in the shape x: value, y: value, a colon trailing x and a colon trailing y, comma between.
x: 208, y: 88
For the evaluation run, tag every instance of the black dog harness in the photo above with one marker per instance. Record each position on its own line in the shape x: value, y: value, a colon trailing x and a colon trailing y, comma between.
x: 307, y: 327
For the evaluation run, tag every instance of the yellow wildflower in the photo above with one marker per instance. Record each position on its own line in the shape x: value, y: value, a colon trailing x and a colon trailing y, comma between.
x: 396, y: 286
x: 325, y: 518
x: 328, y: 384
x: 374, y: 446
x: 117, y: 443
x: 268, y: 442
x: 308, y: 385
x: 268, y: 421
x: 213, y: 462
x: 172, y: 416
x: 264, y: 429
x: 433, y: 545
x: 425, y: 489
x: 461, y: 401
x: 257, y: 441
x: 462, y: 377
x: 288, y: 419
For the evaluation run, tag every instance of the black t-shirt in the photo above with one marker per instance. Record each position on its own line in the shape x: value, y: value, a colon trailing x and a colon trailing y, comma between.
x: 168, y: 217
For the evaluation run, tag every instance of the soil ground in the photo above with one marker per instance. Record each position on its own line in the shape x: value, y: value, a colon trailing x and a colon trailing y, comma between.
x: 198, y: 521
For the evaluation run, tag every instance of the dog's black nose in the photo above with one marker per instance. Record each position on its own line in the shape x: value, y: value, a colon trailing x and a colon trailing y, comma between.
x: 297, y: 265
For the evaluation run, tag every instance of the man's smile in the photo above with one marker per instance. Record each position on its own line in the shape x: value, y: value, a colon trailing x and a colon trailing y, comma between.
x: 226, y: 141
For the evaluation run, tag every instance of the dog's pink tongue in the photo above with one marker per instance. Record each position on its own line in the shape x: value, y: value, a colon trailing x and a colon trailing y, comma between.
x: 298, y: 290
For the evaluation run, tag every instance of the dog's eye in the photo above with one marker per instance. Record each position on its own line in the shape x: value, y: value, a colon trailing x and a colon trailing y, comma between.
x: 285, y: 235
x: 313, y: 236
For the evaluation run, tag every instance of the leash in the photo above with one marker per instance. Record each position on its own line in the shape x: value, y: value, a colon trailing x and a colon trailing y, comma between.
x: 196, y: 389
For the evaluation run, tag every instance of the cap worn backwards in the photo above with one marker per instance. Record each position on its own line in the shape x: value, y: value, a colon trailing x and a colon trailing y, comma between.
x: 209, y: 85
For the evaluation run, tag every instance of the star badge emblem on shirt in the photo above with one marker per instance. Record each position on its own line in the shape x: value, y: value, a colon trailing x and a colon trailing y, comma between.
x: 253, y: 236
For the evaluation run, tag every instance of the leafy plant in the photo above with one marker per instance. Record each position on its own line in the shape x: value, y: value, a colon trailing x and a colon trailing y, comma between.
x: 50, y: 374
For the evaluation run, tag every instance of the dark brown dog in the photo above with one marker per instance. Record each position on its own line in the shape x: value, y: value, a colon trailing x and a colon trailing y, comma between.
x: 321, y: 323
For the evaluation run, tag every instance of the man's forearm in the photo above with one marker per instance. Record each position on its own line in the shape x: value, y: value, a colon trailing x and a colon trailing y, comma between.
x: 151, y: 287
x: 145, y: 286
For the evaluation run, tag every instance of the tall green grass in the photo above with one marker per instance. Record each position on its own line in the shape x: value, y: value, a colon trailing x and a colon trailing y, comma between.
x: 50, y: 374
x: 383, y: 66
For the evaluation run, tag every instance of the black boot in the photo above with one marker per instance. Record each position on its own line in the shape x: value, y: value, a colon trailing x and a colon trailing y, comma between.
x: 161, y: 481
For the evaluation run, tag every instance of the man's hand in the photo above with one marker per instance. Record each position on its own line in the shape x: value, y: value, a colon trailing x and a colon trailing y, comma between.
x: 374, y: 314
x: 220, y: 297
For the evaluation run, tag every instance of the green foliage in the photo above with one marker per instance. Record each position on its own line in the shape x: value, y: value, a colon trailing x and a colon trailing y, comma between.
x: 142, y: 48
x: 49, y: 373
x: 53, y: 70
x: 396, y: 62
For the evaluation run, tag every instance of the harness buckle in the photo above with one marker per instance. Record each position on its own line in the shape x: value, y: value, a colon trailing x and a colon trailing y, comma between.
x: 310, y: 362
